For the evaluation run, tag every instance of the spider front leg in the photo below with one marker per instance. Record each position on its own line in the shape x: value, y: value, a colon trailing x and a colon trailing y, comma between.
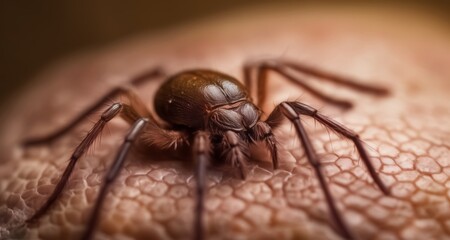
x: 303, y: 109
x: 294, y: 117
x: 235, y: 152
x: 201, y: 155
x: 112, y: 174
x: 263, y: 132
x: 107, y: 115
x: 293, y: 111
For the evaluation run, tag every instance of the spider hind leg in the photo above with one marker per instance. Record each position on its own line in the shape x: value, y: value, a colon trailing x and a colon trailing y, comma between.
x: 135, y: 81
x: 285, y: 68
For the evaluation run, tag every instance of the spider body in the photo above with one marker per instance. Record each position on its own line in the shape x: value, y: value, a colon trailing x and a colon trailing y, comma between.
x: 206, y: 100
x: 213, y: 114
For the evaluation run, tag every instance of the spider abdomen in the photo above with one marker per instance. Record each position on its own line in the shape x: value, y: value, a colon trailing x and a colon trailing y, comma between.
x: 187, y: 98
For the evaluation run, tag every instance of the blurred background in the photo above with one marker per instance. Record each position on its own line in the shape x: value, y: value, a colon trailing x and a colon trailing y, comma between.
x: 35, y: 34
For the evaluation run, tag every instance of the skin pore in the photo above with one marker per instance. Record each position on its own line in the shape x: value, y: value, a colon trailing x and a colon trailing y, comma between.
x: 406, y: 133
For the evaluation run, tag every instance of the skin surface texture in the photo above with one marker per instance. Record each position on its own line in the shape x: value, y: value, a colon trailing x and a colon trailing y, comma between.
x: 407, y: 134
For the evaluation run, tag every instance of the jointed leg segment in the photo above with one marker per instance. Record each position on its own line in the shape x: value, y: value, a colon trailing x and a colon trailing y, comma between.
x: 344, y: 81
x: 283, y: 68
x: 201, y: 155
x: 114, y: 92
x: 293, y: 111
x: 263, y: 132
x: 311, y: 155
x: 109, y: 114
x: 340, y: 129
x: 235, y: 152
x: 112, y: 174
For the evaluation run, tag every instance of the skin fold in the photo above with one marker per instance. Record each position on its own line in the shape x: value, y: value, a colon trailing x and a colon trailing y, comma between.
x: 406, y: 133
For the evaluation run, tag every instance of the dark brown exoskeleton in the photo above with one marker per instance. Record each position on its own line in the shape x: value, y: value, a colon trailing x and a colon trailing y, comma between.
x: 213, y: 114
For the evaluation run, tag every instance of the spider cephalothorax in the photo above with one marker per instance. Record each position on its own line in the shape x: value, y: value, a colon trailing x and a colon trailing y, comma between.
x: 213, y: 114
x: 219, y: 104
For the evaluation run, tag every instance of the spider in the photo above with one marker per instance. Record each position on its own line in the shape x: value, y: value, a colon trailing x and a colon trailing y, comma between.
x: 211, y: 114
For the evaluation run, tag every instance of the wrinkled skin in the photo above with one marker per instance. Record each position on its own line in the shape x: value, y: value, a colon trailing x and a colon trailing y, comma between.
x: 407, y: 134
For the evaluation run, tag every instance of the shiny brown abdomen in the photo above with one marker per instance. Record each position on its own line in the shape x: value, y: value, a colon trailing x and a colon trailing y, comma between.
x: 186, y: 98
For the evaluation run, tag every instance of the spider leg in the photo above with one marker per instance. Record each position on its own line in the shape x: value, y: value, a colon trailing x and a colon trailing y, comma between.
x: 104, y: 100
x: 112, y: 174
x: 126, y: 111
x: 304, y: 109
x: 286, y: 109
x: 235, y: 152
x: 334, y: 78
x: 262, y: 131
x: 283, y: 67
x: 201, y: 156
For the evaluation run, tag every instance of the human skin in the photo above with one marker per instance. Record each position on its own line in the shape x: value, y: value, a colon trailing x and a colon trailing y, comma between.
x: 406, y: 133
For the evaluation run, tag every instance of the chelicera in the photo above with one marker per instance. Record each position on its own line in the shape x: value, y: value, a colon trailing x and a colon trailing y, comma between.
x: 212, y: 115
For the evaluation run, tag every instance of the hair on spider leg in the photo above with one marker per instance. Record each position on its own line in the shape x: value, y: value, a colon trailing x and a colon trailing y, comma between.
x: 211, y: 114
x: 367, y: 146
x: 97, y: 142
